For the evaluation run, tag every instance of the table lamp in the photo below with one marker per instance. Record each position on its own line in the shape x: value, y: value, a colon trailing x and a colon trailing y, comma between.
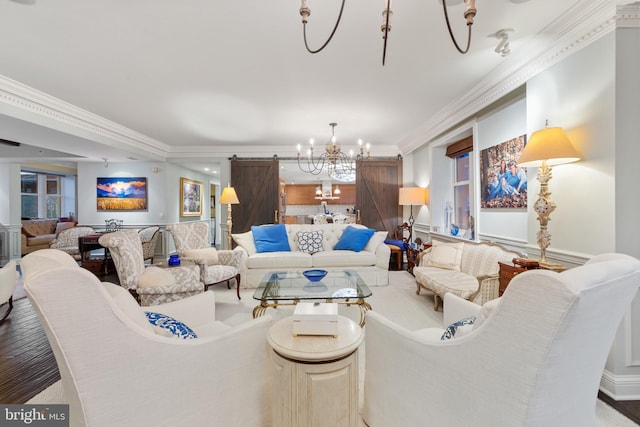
x: 229, y: 197
x: 546, y: 148
x: 412, y: 196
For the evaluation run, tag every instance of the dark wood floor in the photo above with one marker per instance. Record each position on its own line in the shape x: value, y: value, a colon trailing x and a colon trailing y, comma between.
x: 27, y: 364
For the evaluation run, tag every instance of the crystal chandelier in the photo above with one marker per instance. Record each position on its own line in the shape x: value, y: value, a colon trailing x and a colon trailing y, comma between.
x: 333, y: 160
x: 469, y: 13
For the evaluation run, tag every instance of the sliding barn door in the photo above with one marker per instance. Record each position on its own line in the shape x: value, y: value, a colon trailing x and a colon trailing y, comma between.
x: 256, y: 183
x: 377, y: 190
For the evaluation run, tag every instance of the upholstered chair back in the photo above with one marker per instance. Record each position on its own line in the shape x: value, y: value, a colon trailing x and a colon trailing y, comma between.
x: 537, y: 360
x: 67, y: 240
x: 189, y: 235
x: 126, y: 250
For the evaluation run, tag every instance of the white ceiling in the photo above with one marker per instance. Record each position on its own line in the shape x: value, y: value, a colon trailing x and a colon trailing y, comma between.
x: 197, y: 81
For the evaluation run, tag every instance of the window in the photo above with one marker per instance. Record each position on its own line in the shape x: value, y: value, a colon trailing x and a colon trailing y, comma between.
x: 40, y: 195
x: 461, y: 184
x: 29, y: 194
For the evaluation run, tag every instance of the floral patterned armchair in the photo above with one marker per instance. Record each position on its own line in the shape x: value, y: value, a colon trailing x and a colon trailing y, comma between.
x: 149, y: 237
x: 67, y: 240
x: 193, y: 237
x: 151, y: 285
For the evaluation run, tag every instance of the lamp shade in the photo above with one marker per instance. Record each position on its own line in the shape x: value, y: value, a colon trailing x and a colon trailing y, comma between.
x: 550, y: 144
x: 229, y: 196
x: 412, y: 196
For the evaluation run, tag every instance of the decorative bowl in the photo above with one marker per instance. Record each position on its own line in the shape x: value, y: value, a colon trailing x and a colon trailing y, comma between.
x: 315, y: 275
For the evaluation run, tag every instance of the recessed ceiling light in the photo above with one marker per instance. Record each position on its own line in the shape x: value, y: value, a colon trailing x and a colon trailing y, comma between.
x: 207, y: 169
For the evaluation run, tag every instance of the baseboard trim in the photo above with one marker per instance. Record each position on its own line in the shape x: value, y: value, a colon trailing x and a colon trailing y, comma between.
x: 620, y: 387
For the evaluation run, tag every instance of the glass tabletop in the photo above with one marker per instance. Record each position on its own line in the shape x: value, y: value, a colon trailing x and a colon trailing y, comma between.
x: 292, y: 285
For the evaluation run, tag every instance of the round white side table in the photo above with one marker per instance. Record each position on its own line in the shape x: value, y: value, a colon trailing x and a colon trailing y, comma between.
x: 315, y: 378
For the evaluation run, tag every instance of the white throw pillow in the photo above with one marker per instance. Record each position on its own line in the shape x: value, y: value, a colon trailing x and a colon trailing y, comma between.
x: 245, y: 241
x: 445, y: 255
x: 487, y: 309
x: 155, y: 276
x: 210, y: 255
x: 128, y: 305
x: 376, y: 240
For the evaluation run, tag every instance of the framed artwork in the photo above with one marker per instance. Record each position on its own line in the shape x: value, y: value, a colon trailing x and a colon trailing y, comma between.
x: 190, y: 197
x: 121, y: 194
x: 502, y: 181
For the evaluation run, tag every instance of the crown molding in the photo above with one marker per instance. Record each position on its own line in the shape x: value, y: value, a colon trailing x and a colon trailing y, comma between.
x: 628, y: 16
x: 21, y: 101
x: 586, y: 22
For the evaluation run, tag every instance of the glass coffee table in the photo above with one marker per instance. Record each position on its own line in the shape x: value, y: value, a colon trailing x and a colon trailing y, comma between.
x: 290, y: 287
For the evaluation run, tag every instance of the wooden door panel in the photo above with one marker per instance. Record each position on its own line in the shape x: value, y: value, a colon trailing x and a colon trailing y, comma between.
x: 377, y: 191
x: 257, y: 185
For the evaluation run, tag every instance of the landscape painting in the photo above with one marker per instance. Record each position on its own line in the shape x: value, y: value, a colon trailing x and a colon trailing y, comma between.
x: 121, y: 194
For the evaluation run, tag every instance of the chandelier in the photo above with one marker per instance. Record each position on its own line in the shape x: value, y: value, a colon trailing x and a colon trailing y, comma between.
x: 333, y: 160
x: 469, y: 14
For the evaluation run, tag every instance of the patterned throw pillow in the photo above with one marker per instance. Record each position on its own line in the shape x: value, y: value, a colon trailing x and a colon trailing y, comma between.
x: 460, y: 327
x: 177, y: 328
x: 310, y: 241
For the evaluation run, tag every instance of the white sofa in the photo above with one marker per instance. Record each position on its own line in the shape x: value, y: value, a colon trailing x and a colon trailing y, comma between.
x: 537, y: 360
x: 466, y: 269
x: 372, y: 263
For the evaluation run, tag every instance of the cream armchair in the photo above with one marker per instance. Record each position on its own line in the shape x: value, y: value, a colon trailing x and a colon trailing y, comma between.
x: 103, y: 344
x: 151, y: 285
x: 537, y: 360
x: 192, y: 243
x: 8, y: 283
x: 67, y: 240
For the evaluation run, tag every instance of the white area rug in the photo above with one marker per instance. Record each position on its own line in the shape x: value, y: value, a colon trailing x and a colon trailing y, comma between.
x: 397, y: 301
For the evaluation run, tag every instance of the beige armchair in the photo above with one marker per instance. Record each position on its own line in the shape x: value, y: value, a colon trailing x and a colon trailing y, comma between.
x: 8, y: 282
x: 535, y: 360
x: 104, y: 344
x: 151, y: 285
x: 192, y: 243
x: 67, y: 240
x: 149, y: 237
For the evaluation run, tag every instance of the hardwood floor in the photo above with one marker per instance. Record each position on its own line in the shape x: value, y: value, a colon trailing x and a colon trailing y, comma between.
x: 28, y: 365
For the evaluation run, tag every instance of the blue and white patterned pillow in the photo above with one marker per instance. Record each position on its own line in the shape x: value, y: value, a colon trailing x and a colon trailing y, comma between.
x: 460, y: 327
x: 176, y: 327
x: 310, y: 241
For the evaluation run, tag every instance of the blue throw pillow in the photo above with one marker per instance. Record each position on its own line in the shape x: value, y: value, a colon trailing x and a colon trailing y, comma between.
x: 354, y: 239
x: 399, y: 243
x: 460, y: 327
x: 172, y: 325
x: 271, y: 238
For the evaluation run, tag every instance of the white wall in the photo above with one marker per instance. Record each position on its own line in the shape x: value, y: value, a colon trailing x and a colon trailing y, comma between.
x: 622, y: 375
x: 578, y: 95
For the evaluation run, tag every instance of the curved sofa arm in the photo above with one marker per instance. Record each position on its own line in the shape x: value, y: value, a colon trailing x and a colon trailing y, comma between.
x: 382, y: 256
x: 488, y: 288
x: 242, y: 266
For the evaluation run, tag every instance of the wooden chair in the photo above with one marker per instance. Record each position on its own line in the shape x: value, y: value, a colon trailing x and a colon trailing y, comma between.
x: 398, y: 246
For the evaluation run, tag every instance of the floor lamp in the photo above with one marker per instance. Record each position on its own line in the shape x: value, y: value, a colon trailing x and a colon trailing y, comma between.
x: 412, y: 196
x: 546, y: 148
x: 229, y: 197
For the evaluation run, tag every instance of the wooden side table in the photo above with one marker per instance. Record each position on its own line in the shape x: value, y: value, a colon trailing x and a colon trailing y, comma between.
x: 508, y: 272
x: 315, y: 378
